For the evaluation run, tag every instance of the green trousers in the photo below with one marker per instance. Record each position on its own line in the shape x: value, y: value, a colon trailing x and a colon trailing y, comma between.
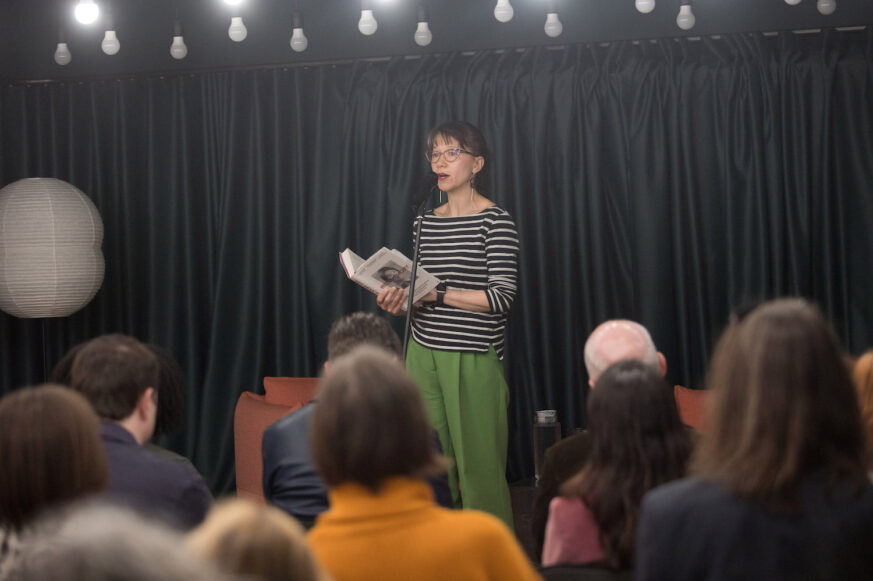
x: 466, y: 397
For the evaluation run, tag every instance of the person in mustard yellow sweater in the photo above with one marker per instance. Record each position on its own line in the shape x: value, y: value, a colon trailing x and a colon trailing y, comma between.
x: 370, y: 443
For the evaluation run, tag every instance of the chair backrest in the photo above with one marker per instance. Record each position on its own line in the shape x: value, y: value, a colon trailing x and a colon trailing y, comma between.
x: 692, y: 405
x: 290, y: 391
x: 252, y: 416
x: 583, y: 573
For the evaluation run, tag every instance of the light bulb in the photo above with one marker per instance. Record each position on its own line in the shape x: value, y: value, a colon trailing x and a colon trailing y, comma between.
x: 423, y: 36
x: 299, y: 42
x: 62, y: 54
x: 237, y: 30
x: 503, y: 11
x: 367, y: 24
x: 826, y: 7
x: 86, y: 11
x: 792, y: 2
x: 110, y: 44
x: 178, y: 50
x: 553, y: 26
x: 645, y: 6
x: 685, y: 20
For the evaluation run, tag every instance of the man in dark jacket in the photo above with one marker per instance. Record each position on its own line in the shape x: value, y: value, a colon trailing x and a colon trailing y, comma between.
x: 119, y: 376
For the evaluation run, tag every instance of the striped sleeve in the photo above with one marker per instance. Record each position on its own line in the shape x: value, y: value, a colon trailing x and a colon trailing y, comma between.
x: 501, y: 254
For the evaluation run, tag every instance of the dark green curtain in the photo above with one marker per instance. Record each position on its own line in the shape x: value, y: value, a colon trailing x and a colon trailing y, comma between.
x: 660, y: 181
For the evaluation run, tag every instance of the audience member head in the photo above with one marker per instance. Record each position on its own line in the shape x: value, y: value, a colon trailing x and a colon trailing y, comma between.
x: 360, y: 328
x: 105, y: 543
x: 119, y: 376
x: 370, y: 423
x: 782, y: 406
x: 171, y: 392
x: 255, y: 540
x: 50, y: 451
x: 743, y: 310
x: 862, y: 374
x: 62, y: 372
x: 637, y: 442
x: 618, y: 340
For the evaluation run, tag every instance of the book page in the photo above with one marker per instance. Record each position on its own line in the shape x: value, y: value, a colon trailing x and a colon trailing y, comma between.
x: 388, y: 268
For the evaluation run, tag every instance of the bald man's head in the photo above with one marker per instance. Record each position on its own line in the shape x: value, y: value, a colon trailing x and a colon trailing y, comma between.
x: 619, y: 340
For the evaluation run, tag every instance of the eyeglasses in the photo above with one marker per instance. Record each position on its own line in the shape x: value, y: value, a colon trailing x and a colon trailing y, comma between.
x: 451, y: 154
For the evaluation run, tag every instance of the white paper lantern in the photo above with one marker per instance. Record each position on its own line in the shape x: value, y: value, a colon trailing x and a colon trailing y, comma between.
x: 51, y: 261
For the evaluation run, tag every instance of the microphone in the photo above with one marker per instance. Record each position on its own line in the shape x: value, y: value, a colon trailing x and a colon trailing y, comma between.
x: 428, y: 186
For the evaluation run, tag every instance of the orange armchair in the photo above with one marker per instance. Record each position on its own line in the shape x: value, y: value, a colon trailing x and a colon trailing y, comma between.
x: 691, y: 404
x: 253, y: 414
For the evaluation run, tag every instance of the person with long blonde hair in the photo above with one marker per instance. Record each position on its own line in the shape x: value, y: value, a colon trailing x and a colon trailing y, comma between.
x: 257, y: 541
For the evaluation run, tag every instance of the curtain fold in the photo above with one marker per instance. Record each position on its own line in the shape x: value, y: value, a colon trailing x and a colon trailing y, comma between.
x: 665, y: 182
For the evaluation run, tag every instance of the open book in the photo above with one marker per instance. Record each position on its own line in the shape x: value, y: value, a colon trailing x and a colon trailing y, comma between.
x: 386, y: 268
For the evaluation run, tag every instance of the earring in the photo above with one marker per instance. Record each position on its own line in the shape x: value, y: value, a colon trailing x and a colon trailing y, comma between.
x: 472, y: 185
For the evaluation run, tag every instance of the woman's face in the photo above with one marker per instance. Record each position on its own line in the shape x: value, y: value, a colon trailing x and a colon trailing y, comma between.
x: 454, y: 175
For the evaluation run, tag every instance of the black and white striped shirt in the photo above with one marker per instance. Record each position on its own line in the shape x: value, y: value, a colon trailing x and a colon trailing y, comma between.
x: 476, y: 252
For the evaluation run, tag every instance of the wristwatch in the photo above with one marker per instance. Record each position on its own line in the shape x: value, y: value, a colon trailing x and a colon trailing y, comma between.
x: 441, y: 293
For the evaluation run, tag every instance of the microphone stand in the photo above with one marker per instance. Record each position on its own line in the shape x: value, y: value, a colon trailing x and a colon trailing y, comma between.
x: 419, y: 218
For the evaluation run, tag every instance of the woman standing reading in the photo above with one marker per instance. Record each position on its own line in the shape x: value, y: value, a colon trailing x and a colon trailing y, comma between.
x: 455, y: 353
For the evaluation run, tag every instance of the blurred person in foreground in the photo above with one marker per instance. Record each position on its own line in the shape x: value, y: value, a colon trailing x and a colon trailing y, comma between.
x: 371, y: 445
x: 99, y: 542
x: 50, y: 453
x: 779, y: 487
x: 290, y: 480
x: 255, y: 541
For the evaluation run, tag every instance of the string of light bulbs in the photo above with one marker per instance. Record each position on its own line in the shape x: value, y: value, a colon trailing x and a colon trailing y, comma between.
x: 686, y: 19
x: 88, y: 12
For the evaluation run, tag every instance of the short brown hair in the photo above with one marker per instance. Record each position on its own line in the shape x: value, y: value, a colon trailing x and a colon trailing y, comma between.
x: 112, y: 372
x: 50, y: 451
x: 64, y: 366
x: 255, y: 540
x: 360, y: 328
x: 782, y: 406
x: 370, y: 422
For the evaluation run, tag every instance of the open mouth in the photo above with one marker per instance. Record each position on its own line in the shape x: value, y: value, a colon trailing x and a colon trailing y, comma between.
x: 442, y: 176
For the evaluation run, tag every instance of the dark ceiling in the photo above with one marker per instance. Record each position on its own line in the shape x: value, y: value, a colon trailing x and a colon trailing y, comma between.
x: 29, y: 28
